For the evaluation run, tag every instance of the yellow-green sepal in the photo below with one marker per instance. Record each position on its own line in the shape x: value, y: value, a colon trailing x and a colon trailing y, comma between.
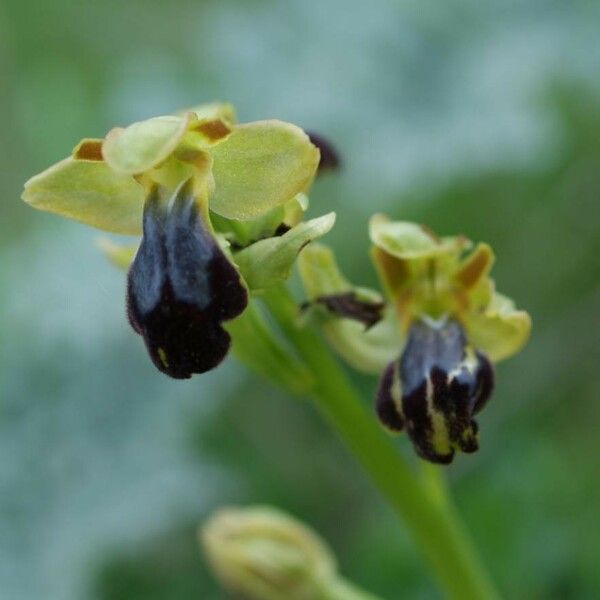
x: 119, y: 255
x: 145, y: 144
x: 213, y: 110
x: 407, y: 241
x: 90, y: 192
x: 475, y: 267
x: 367, y: 350
x: 270, y: 261
x: 260, y: 166
x: 501, y: 330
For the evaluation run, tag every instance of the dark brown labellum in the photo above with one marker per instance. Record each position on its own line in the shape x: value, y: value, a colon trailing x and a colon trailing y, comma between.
x: 436, y: 387
x: 181, y: 287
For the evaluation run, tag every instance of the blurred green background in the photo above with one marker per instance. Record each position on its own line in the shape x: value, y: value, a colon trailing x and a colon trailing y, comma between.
x: 472, y: 116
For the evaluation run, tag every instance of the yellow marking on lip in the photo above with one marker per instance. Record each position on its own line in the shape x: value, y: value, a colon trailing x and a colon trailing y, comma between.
x: 163, y: 358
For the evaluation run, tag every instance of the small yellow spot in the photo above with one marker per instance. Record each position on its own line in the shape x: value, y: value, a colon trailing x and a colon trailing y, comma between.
x: 163, y: 357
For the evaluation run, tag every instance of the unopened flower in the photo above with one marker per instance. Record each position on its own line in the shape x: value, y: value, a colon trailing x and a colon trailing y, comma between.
x: 261, y: 553
x: 438, y: 334
x: 220, y: 205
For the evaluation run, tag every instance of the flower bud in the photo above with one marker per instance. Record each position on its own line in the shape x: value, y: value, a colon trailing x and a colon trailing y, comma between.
x: 261, y: 553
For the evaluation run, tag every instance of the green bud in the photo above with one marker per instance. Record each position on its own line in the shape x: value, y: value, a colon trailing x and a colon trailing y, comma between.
x: 262, y: 553
x: 270, y: 261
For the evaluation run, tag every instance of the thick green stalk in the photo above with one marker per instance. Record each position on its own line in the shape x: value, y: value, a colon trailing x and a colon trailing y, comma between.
x: 432, y: 522
x: 341, y: 589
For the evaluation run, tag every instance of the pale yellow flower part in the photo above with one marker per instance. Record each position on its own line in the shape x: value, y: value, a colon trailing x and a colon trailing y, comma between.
x: 501, y: 330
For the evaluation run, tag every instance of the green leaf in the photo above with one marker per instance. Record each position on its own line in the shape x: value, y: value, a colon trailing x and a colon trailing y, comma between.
x: 144, y: 144
x: 270, y: 261
x: 90, y: 192
x: 260, y: 166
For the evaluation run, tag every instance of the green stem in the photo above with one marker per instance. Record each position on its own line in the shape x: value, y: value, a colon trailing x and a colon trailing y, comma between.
x: 341, y: 589
x: 434, y: 524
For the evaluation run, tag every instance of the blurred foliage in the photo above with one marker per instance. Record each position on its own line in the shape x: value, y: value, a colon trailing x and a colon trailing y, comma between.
x: 464, y: 116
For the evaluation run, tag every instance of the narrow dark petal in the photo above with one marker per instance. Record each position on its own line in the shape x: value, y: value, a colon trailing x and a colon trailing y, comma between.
x: 385, y: 406
x: 444, y: 383
x: 180, y: 288
x: 349, y: 306
x: 330, y: 159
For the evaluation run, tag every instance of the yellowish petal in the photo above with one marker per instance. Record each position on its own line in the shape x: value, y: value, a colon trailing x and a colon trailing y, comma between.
x: 501, y: 331
x: 406, y: 241
x: 120, y: 255
x: 144, y: 144
x: 213, y: 110
x: 475, y: 266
